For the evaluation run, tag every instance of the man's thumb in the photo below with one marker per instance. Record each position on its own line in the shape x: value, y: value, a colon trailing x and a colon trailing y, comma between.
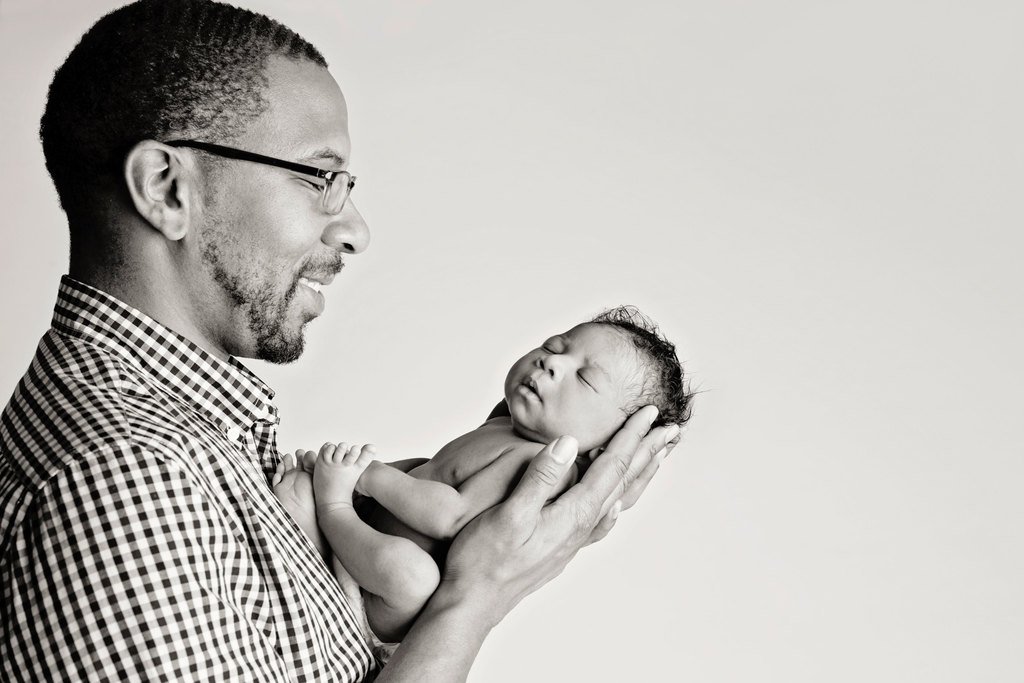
x: 546, y: 470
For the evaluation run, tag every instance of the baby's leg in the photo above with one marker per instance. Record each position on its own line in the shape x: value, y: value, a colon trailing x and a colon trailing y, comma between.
x: 293, y: 485
x: 400, y: 576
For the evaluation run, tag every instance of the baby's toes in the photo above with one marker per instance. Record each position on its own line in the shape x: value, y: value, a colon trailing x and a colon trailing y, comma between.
x: 327, y: 452
x: 367, y: 454
x: 307, y: 460
x: 278, y: 474
x: 352, y: 454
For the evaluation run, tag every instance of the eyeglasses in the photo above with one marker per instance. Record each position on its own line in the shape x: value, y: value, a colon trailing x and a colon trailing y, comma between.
x: 337, y: 184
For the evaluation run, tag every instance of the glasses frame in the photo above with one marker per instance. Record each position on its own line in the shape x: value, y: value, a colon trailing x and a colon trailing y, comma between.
x: 329, y: 177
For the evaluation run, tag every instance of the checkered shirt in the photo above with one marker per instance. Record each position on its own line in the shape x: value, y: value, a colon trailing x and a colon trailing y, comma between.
x: 139, y: 538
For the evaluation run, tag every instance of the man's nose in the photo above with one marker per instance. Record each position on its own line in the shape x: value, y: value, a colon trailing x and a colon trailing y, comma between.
x: 347, y: 232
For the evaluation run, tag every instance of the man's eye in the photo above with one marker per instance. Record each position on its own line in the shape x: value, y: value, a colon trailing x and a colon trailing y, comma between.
x: 312, y: 183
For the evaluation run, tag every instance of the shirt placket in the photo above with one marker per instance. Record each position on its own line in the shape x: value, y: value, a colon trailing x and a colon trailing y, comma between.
x: 264, y: 443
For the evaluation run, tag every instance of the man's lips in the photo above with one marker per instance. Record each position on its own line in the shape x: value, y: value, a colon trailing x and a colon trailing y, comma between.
x: 312, y: 284
x: 316, y: 280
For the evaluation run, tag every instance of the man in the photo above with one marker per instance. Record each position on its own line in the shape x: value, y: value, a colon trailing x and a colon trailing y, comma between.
x: 200, y: 153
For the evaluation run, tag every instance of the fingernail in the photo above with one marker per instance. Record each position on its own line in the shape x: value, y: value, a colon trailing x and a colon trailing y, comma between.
x: 616, y: 509
x: 654, y: 416
x: 672, y: 432
x: 564, y: 449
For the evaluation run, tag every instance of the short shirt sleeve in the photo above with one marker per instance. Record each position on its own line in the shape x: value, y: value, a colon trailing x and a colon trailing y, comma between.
x: 123, y: 570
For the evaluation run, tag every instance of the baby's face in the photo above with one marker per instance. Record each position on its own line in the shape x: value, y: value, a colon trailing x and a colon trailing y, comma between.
x: 576, y: 383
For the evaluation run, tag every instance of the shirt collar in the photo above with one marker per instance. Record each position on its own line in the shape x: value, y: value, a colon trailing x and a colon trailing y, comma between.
x: 226, y: 391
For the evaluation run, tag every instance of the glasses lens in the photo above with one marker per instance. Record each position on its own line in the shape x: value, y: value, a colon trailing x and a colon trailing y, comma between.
x: 338, y: 191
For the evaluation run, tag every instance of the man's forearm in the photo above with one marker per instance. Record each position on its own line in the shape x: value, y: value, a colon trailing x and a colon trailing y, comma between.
x: 444, y: 641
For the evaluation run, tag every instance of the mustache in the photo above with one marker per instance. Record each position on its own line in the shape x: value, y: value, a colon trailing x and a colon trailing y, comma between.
x: 325, y: 264
x: 317, y: 266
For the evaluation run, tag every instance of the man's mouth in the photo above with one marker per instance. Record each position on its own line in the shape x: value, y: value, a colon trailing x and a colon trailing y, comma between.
x: 317, y: 280
x: 312, y: 284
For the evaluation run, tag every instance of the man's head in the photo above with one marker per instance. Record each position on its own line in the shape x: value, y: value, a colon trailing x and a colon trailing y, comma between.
x: 232, y: 246
x: 587, y: 381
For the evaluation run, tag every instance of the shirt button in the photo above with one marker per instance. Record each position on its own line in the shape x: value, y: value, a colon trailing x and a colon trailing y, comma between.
x: 234, y: 433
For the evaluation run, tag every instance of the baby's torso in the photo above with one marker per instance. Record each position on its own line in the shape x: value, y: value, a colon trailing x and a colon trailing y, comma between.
x: 454, y: 464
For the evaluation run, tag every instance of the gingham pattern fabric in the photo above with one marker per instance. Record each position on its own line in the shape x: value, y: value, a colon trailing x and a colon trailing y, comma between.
x: 139, y: 538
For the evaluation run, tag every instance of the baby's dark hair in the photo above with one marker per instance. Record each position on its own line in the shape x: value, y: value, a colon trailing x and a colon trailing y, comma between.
x: 664, y: 386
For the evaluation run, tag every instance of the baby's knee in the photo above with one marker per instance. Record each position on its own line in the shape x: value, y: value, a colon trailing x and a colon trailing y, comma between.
x: 414, y: 574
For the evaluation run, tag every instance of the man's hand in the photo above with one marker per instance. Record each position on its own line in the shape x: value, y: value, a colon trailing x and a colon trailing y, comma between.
x: 514, y: 548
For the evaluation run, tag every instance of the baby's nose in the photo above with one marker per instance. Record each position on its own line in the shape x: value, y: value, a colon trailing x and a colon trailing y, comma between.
x: 553, y: 365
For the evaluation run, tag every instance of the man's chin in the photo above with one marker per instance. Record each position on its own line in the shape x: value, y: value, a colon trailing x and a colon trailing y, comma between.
x: 282, y: 350
x: 279, y: 337
x: 280, y: 355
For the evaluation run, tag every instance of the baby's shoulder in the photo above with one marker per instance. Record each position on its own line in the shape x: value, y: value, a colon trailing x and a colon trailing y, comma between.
x: 498, y: 433
x: 475, y: 450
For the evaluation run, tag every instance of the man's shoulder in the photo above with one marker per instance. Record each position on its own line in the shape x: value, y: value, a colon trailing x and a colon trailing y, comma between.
x: 78, y: 398
x: 81, y: 414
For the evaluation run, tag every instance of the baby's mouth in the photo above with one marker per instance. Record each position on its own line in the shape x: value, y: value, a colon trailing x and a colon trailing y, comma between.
x: 531, y: 384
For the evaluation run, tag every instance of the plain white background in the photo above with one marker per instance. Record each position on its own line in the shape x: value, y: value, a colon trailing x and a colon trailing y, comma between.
x: 820, y: 201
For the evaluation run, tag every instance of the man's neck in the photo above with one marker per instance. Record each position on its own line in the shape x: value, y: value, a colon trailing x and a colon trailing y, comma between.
x: 151, y: 293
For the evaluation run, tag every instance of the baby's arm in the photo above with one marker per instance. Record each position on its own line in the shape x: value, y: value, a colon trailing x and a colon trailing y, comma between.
x: 437, y: 509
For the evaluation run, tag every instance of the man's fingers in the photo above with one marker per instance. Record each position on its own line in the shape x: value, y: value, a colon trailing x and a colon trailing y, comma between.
x: 654, y: 448
x: 606, y: 523
x: 606, y: 478
x: 546, y: 470
x: 638, y: 485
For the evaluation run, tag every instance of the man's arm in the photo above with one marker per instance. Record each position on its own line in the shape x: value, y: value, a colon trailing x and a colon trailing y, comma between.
x: 120, y: 571
x: 514, y: 548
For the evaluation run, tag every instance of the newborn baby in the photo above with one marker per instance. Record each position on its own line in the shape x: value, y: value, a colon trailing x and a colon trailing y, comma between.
x: 583, y: 383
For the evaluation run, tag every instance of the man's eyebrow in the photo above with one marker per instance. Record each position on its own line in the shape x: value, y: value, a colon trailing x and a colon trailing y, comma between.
x: 325, y: 154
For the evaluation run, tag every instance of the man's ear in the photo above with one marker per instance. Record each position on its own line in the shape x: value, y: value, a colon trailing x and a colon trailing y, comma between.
x: 159, y: 183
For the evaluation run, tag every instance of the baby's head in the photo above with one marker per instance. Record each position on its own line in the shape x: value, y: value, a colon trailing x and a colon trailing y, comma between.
x: 587, y: 381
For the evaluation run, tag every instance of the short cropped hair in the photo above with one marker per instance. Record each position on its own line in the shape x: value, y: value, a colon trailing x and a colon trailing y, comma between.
x: 156, y: 70
x: 664, y: 386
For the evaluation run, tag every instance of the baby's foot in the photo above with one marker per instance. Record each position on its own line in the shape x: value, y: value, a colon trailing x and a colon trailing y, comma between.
x: 293, y: 485
x: 336, y: 473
